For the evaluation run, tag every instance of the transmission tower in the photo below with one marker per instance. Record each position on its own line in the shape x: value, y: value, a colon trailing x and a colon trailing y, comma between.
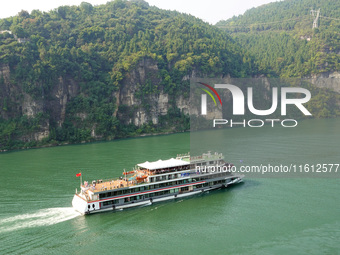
x: 315, y: 14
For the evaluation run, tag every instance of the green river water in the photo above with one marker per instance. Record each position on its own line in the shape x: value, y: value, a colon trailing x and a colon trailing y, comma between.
x: 261, y: 216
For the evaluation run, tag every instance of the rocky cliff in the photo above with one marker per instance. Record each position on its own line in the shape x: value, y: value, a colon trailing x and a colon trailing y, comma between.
x: 145, y: 107
x: 134, y: 105
x: 329, y: 80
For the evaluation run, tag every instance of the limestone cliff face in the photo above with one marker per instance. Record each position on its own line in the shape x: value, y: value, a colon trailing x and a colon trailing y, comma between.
x: 330, y: 80
x: 141, y: 99
x: 16, y: 103
x: 136, y: 105
x: 8, y: 108
x: 64, y: 90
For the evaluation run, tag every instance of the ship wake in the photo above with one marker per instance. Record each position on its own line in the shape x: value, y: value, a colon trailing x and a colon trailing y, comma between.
x: 43, y: 217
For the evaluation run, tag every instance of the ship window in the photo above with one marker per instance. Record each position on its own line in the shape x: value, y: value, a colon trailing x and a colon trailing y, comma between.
x: 211, y: 162
x: 152, y: 186
x: 142, y: 188
x: 156, y: 186
x: 198, y: 164
x: 146, y: 195
x: 172, y: 191
x: 204, y: 163
x: 176, y: 190
x: 119, y: 192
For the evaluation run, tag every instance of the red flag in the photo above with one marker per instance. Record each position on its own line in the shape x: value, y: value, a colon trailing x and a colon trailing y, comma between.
x: 77, y: 175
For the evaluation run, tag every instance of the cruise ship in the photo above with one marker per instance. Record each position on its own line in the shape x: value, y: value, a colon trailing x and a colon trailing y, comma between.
x: 152, y: 182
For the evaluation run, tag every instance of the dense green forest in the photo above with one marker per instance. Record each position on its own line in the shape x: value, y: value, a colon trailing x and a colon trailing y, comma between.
x: 97, y: 47
x: 280, y: 37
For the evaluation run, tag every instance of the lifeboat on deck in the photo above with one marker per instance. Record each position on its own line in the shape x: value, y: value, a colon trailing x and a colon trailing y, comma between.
x: 127, y: 173
x: 141, y: 178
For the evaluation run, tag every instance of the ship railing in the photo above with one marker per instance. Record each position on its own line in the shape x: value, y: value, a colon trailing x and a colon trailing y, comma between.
x: 125, y: 183
x: 191, y: 174
x: 121, y: 178
x: 131, y: 183
x: 206, y: 156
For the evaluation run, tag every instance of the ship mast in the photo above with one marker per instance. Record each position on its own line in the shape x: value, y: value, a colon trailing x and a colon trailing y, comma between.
x: 81, y: 179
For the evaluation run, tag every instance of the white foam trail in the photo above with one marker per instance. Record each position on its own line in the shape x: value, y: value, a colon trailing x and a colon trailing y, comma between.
x: 43, y: 217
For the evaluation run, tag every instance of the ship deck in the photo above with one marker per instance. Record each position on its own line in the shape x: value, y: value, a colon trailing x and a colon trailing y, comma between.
x: 117, y: 183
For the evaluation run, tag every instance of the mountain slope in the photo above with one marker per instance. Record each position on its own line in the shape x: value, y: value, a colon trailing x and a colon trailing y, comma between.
x: 280, y: 37
x: 81, y: 73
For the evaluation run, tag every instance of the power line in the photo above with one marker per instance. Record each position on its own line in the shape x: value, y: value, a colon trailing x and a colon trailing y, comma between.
x: 324, y: 17
x: 315, y: 21
x: 255, y: 24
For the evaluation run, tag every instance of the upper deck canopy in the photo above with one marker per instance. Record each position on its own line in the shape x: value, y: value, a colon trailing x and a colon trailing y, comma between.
x: 162, y: 164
